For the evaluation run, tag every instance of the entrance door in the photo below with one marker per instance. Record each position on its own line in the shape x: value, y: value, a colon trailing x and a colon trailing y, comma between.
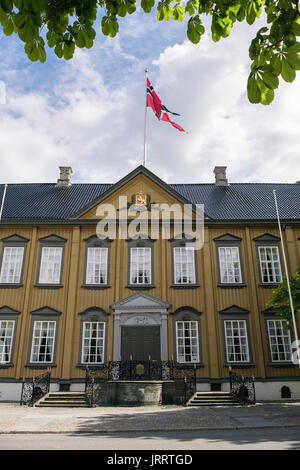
x: 140, y: 342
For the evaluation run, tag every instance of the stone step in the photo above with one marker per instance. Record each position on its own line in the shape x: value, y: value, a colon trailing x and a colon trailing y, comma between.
x: 212, y: 399
x: 63, y: 399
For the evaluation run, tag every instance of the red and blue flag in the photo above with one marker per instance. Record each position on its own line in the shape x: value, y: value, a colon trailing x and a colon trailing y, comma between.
x: 161, y: 111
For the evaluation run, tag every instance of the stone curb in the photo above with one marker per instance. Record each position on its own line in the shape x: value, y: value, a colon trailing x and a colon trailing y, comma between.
x: 206, y: 428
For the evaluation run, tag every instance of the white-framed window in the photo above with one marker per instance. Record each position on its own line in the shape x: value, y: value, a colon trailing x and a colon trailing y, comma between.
x: 140, y: 265
x: 237, y: 349
x: 93, y: 340
x: 43, y: 339
x: 230, y: 265
x: 279, y: 340
x: 184, y: 265
x: 96, y: 265
x: 12, y: 263
x: 187, y: 342
x: 6, y: 339
x: 50, y: 266
x: 270, y: 266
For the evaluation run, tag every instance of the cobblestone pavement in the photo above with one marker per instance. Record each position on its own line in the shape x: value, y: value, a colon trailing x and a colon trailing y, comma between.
x: 22, y: 419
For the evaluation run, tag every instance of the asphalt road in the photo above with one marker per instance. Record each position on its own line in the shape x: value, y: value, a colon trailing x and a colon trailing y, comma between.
x: 248, y: 439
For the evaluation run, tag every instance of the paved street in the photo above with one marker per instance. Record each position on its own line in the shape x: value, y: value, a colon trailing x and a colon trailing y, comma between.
x: 249, y: 439
x: 262, y: 426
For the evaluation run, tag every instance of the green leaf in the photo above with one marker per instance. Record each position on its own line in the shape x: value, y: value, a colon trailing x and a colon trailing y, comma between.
x: 275, y: 61
x: 8, y: 26
x: 195, y: 29
x: 288, y: 73
x: 294, y: 48
x: 270, y: 80
x: 293, y: 60
x: 178, y: 12
x: 253, y: 91
x: 6, y: 5
x: 110, y: 26
x: 296, y: 29
x: 267, y: 94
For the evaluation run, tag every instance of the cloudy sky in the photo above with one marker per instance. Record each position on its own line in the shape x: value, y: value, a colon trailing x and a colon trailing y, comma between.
x: 88, y: 113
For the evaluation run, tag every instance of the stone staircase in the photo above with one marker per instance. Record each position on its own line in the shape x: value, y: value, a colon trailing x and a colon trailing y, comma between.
x: 212, y: 399
x: 63, y: 400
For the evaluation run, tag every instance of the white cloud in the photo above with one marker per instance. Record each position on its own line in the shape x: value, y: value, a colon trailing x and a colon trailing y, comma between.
x: 90, y: 115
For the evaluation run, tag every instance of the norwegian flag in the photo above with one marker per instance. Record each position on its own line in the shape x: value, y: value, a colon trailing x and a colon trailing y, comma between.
x: 161, y: 112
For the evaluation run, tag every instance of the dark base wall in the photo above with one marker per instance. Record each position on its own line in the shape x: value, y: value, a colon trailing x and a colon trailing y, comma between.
x: 138, y: 393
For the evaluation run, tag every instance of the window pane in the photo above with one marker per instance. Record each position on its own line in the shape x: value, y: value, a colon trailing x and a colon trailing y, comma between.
x: 12, y: 265
x: 269, y: 264
x: 184, y: 265
x: 229, y: 262
x: 6, y: 339
x: 97, y: 265
x: 93, y: 342
x: 280, y: 340
x: 50, y: 265
x: 43, y: 341
x: 236, y: 341
x: 187, y: 341
x: 140, y: 265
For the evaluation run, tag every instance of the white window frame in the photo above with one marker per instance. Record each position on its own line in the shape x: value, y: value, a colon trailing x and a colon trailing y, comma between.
x: 181, y: 265
x: 270, y: 264
x: 236, y: 343
x: 49, y: 273
x: 87, y: 342
x: 11, y: 269
x: 181, y: 343
x: 6, y: 340
x: 37, y: 339
x: 92, y: 265
x: 141, y: 267
x: 229, y: 273
x: 276, y: 341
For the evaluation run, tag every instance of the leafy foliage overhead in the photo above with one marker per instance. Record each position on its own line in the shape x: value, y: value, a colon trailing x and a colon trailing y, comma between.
x: 67, y: 24
x: 280, y: 300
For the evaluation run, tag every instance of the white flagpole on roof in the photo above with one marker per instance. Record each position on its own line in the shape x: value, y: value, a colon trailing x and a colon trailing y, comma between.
x: 287, y: 274
x: 145, y: 124
x: 3, y: 199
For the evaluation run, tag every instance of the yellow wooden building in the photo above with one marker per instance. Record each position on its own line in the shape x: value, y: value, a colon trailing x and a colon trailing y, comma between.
x: 70, y: 298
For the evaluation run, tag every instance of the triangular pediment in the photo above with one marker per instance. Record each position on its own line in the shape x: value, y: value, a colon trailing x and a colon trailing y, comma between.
x: 5, y: 310
x: 140, y: 181
x: 267, y: 237
x: 140, y: 301
x: 234, y: 310
x: 227, y: 237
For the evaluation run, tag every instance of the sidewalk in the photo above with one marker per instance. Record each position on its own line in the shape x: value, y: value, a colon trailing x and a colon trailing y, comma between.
x: 22, y: 419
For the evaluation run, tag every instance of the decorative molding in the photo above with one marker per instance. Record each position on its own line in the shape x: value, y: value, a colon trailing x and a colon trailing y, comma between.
x: 5, y: 310
x: 227, y: 237
x: 267, y: 237
x: 94, y: 309
x: 140, y: 300
x: 15, y: 239
x: 53, y: 238
x: 46, y: 311
x: 234, y: 310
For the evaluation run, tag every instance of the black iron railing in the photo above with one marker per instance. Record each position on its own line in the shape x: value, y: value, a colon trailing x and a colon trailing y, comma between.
x: 141, y: 370
x: 34, y: 389
x: 242, y: 388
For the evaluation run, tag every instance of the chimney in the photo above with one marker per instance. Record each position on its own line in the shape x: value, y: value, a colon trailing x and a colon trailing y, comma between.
x: 64, y: 177
x: 220, y: 172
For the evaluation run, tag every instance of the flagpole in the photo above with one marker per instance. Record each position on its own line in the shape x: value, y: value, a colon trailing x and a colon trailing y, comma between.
x: 3, y: 199
x: 286, y: 272
x: 145, y: 124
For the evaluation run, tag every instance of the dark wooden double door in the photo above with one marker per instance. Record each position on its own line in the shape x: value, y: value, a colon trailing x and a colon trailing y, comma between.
x: 140, y: 343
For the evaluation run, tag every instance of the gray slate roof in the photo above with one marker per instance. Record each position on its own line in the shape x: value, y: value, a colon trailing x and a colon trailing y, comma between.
x: 238, y: 201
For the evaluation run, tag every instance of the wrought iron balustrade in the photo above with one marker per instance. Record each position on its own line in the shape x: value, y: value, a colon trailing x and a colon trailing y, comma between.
x: 242, y: 388
x: 141, y: 370
x: 34, y: 389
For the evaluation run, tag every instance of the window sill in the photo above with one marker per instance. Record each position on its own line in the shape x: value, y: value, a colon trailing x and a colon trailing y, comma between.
x: 140, y: 286
x: 92, y: 366
x: 238, y: 285
x: 10, y: 286
x: 184, y: 286
x: 40, y: 365
x: 95, y: 286
x: 239, y: 365
x: 188, y: 364
x: 282, y: 364
x: 6, y: 365
x: 49, y: 286
x: 269, y: 286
